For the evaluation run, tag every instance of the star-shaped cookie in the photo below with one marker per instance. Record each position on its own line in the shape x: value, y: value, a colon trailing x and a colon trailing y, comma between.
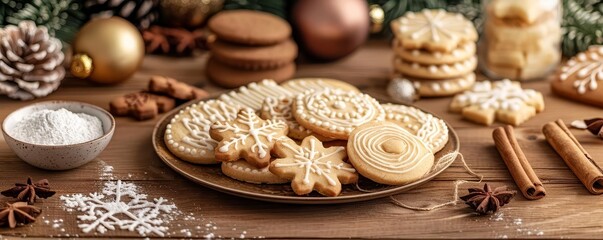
x: 247, y: 136
x: 311, y: 166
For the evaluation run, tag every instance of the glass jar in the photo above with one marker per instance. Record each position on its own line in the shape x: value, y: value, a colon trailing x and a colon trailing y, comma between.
x: 521, y: 39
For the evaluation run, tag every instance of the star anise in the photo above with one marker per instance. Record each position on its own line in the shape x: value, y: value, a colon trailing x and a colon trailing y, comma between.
x: 178, y: 41
x: 31, y: 191
x: 595, y: 126
x: 19, y: 212
x: 485, y: 201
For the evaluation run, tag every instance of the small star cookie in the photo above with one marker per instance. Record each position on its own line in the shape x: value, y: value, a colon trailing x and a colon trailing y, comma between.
x: 247, y: 136
x: 504, y: 101
x: 310, y: 166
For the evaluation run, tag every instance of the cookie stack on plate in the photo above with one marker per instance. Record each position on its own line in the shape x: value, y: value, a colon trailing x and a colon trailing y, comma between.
x: 250, y: 46
x: 435, y: 50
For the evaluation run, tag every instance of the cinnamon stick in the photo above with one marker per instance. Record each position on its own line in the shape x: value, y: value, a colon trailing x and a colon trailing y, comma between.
x: 526, y: 179
x: 574, y: 155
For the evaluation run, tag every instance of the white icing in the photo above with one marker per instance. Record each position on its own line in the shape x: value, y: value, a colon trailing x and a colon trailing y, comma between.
x: 280, y: 109
x: 502, y: 95
x: 254, y: 94
x: 314, y: 162
x: 587, y: 69
x: 370, y: 145
x: 318, y: 108
x: 248, y: 126
x: 434, y: 25
x: 431, y: 130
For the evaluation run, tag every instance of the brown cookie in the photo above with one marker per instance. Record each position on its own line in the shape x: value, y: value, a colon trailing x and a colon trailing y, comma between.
x: 230, y: 77
x: 249, y: 27
x: 581, y: 77
x: 254, y: 57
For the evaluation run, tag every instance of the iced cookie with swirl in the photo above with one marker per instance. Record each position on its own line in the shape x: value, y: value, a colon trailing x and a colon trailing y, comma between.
x: 310, y: 166
x: 504, y: 101
x: 187, y: 134
x: 388, y: 154
x: 335, y: 113
x: 580, y: 77
x: 247, y: 136
x: 432, y: 130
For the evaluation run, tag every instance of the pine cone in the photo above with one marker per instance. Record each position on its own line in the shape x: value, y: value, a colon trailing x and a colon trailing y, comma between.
x: 141, y: 13
x: 30, y: 61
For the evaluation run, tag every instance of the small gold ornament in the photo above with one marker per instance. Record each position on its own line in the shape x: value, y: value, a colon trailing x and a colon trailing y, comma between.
x: 188, y: 13
x: 377, y: 16
x: 107, y: 51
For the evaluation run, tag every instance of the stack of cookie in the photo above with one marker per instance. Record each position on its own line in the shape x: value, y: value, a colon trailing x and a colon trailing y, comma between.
x: 250, y: 46
x: 435, y: 50
x: 303, y: 134
x: 522, y: 39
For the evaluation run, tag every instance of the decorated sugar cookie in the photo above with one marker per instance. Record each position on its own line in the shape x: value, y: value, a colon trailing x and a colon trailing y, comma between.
x: 310, y: 167
x: 301, y: 85
x: 254, y: 94
x: 387, y: 153
x: 432, y: 130
x: 581, y: 78
x: 435, y: 30
x: 463, y: 52
x: 280, y: 109
x: 335, y: 113
x: 187, y: 134
x: 243, y: 171
x: 504, y: 101
x: 443, y: 87
x: 247, y: 136
x: 435, y: 71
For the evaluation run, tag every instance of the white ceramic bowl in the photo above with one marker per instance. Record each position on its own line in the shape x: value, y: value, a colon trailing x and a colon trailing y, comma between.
x: 59, y: 157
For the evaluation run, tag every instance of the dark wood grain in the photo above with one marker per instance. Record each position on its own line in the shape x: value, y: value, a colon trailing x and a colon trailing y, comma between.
x: 567, y: 211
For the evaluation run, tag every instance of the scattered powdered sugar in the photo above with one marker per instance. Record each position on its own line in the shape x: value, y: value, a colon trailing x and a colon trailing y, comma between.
x: 57, y: 127
x: 516, y: 227
x: 120, y: 206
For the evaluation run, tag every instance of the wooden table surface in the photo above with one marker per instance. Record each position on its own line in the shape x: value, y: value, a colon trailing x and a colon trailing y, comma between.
x: 568, y: 210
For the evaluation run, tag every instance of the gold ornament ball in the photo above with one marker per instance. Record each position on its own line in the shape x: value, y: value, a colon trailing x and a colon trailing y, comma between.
x: 107, y: 50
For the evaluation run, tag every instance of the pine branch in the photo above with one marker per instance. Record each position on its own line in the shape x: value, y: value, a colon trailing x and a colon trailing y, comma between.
x: 582, y: 25
x: 276, y: 7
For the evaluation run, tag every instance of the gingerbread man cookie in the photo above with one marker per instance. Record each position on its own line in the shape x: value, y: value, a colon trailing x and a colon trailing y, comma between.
x: 310, y: 166
x: 386, y: 153
x: 580, y: 77
x: 335, y: 113
x: 504, y: 100
x: 247, y: 136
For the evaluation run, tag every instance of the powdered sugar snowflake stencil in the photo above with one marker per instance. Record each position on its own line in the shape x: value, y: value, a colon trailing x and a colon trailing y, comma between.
x: 119, y: 206
x: 246, y: 126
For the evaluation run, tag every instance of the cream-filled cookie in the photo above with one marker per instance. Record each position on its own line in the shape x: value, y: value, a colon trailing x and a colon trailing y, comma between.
x: 389, y: 154
x: 335, y: 113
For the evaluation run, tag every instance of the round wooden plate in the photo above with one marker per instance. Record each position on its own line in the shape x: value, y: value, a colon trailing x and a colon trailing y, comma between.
x: 211, y: 176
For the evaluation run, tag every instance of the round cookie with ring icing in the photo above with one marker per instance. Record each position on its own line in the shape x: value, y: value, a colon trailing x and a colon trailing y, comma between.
x: 243, y: 171
x: 187, y: 134
x: 388, y: 154
x: 335, y: 113
x: 432, y: 130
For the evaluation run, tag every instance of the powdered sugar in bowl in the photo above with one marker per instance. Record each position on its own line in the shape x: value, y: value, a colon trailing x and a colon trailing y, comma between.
x: 58, y: 135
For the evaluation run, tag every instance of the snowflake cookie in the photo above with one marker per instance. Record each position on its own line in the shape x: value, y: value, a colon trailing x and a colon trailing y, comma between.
x: 504, y: 101
x: 247, y: 136
x: 120, y: 206
x: 334, y: 113
x: 580, y: 77
x: 310, y: 166
x: 434, y: 30
x: 187, y: 134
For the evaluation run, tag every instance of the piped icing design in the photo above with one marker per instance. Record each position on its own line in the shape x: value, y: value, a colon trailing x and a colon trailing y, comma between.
x: 431, y: 130
x: 501, y: 95
x: 187, y: 134
x: 585, y: 69
x: 335, y: 112
x: 280, y: 109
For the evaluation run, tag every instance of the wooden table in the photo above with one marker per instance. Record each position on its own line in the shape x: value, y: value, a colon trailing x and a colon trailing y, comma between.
x: 567, y: 211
